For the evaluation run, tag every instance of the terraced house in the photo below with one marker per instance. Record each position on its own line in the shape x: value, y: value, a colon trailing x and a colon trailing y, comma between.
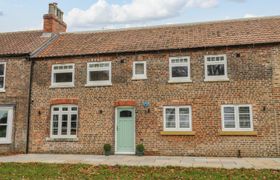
x: 205, y: 89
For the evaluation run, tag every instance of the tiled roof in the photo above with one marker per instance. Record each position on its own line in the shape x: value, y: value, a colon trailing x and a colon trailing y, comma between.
x: 13, y: 43
x: 210, y: 34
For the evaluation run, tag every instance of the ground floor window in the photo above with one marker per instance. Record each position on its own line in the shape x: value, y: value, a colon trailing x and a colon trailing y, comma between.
x: 237, y: 118
x: 64, y: 121
x: 6, y: 122
x: 177, y: 118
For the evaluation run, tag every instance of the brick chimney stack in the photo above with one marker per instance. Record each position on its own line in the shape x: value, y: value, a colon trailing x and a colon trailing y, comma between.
x: 53, y: 21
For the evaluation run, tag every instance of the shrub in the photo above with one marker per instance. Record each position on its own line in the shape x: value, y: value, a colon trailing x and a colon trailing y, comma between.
x: 140, y: 148
x: 107, y: 147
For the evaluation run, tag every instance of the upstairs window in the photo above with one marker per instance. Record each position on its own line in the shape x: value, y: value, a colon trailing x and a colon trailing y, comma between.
x: 64, y: 121
x: 179, y: 69
x: 177, y: 118
x: 216, y: 68
x: 237, y: 118
x: 99, y: 74
x: 2, y: 76
x: 139, y: 70
x: 63, y: 75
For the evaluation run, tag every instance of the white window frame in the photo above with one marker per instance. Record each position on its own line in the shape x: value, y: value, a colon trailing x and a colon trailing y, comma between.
x: 179, y: 79
x: 99, y: 83
x: 63, y: 84
x: 8, y: 138
x: 139, y: 76
x: 215, y: 78
x: 177, y: 120
x: 59, y: 113
x: 236, y: 118
x: 4, y: 76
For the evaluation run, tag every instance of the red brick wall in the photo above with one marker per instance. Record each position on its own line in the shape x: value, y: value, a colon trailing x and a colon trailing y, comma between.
x: 250, y: 83
x: 17, y: 87
x: 52, y: 24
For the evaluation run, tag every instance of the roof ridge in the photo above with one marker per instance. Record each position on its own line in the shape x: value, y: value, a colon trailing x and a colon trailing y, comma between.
x: 174, y: 25
x: 24, y: 31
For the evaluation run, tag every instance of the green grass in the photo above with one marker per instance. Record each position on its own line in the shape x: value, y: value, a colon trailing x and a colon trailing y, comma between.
x: 82, y: 171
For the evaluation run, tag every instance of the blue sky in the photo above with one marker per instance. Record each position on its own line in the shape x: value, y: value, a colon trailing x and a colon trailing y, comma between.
x: 87, y: 15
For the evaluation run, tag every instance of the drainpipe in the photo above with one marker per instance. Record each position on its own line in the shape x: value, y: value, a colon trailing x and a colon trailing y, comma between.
x: 29, y: 104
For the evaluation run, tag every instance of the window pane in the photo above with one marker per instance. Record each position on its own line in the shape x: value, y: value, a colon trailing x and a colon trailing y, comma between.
x: 55, y: 124
x: 99, y: 75
x: 184, y: 117
x: 2, y: 69
x: 216, y: 70
x: 170, y: 111
x: 184, y: 110
x: 65, y: 109
x: 184, y: 121
x: 74, y: 108
x: 244, y: 110
x: 139, y: 68
x: 3, y: 131
x: 1, y: 82
x: 73, y: 124
x: 229, y: 117
x: 64, y: 124
x: 125, y: 114
x: 63, y: 77
x: 170, y: 121
x: 180, y: 71
x: 170, y: 118
x: 3, y: 117
x: 56, y: 109
x: 228, y: 109
x: 244, y: 117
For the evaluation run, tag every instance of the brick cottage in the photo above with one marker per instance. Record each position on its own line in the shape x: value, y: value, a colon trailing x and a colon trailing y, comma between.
x: 205, y: 89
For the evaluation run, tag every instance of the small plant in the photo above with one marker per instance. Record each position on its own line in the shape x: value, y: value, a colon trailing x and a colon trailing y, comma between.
x: 140, y: 149
x: 107, y: 149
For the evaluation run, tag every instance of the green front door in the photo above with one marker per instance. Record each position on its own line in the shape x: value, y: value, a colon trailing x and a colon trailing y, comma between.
x: 125, y: 131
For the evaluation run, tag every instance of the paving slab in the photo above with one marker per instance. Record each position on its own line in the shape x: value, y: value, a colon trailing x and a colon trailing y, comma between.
x: 183, y: 161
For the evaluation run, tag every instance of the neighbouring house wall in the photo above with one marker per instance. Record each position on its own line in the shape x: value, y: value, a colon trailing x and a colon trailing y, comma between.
x: 276, y: 92
x: 250, y: 83
x: 16, y: 94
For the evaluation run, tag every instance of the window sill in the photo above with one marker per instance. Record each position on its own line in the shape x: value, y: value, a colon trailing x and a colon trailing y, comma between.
x: 139, y: 78
x: 2, y: 90
x: 177, y: 133
x: 62, y: 139
x: 218, y: 79
x: 57, y: 87
x: 238, y: 133
x: 98, y: 85
x: 179, y: 81
x: 5, y: 142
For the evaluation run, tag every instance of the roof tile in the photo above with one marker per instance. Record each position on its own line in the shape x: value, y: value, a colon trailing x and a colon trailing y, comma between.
x: 20, y: 42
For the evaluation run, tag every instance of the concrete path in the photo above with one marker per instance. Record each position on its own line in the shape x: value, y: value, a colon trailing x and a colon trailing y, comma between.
x: 209, y: 162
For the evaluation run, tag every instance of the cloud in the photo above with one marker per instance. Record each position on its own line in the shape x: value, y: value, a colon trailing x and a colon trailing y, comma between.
x: 202, y: 3
x: 248, y: 15
x: 239, y: 1
x: 1, y: 13
x: 103, y: 13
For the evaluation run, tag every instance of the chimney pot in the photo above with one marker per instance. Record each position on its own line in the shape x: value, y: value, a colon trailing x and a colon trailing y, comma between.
x: 51, y: 8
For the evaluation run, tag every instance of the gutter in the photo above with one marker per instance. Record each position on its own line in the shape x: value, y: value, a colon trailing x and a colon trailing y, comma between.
x: 14, y: 55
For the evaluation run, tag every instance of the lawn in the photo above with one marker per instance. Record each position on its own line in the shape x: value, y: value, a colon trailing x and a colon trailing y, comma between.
x: 82, y: 171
